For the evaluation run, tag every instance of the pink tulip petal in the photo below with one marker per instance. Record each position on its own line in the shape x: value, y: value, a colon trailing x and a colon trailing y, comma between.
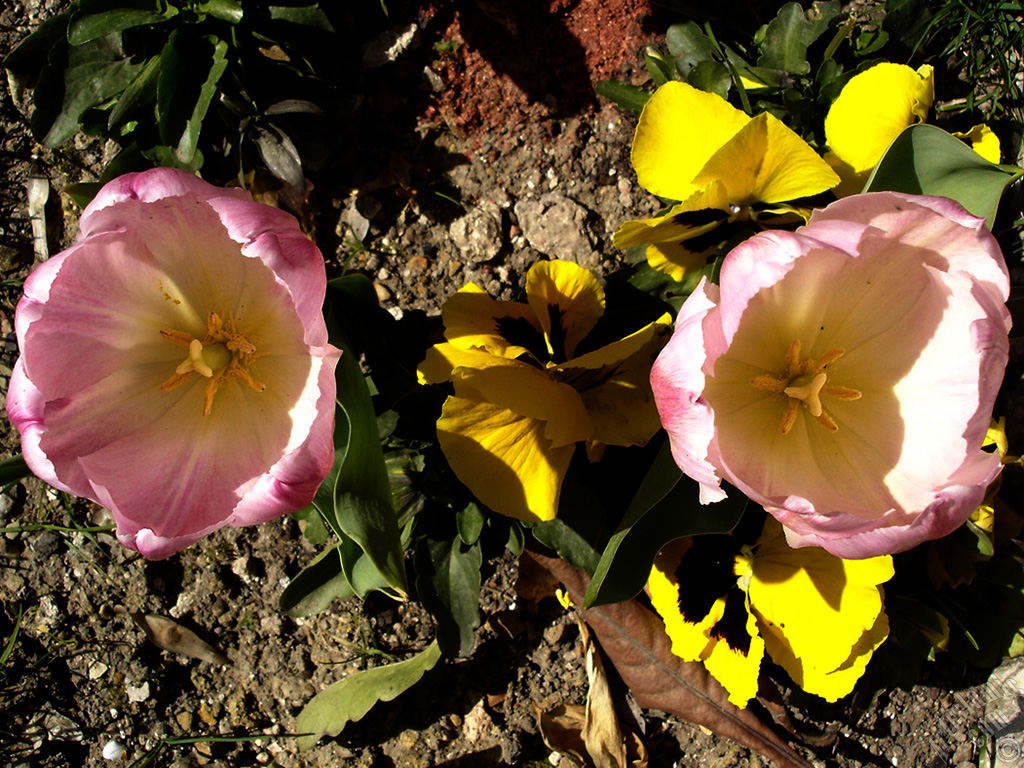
x: 677, y: 382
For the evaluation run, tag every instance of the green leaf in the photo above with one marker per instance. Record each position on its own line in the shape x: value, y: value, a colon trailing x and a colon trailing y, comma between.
x: 304, y: 15
x: 108, y: 18
x: 190, y: 68
x: 784, y: 46
x: 82, y: 192
x: 350, y: 699
x: 279, y: 154
x: 689, y: 46
x: 448, y: 584
x: 316, y: 586
x: 712, y: 77
x: 630, y: 98
x: 13, y: 469
x: 578, y: 533
x: 31, y: 54
x: 355, y: 498
x: 141, y: 92
x: 925, y: 160
x: 225, y: 10
x: 470, y: 522
x: 659, y: 69
x: 666, y: 507
x: 94, y: 73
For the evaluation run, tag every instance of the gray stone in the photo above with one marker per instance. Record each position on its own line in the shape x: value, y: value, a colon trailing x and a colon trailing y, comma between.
x: 477, y: 235
x: 557, y: 227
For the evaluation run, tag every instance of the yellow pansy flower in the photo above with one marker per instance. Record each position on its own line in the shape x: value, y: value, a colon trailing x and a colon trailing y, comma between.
x: 525, y: 392
x: 726, y: 602
x: 873, y: 109
x: 727, y: 169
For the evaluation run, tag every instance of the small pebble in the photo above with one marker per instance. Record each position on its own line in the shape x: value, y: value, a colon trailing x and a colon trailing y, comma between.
x: 112, y: 751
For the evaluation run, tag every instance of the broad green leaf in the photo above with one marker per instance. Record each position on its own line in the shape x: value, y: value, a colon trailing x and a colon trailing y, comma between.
x: 784, y: 44
x: 141, y: 92
x: 93, y: 74
x: 689, y: 46
x: 190, y: 68
x: 225, y: 10
x: 659, y: 69
x: 13, y: 469
x: 114, y: 17
x: 579, y: 532
x: 32, y: 53
x: 350, y: 699
x: 305, y: 15
x: 316, y: 586
x: 448, y: 584
x: 712, y: 77
x: 279, y: 154
x: 356, y: 497
x: 630, y: 98
x: 666, y: 507
x: 925, y: 160
x: 82, y: 192
x: 470, y: 522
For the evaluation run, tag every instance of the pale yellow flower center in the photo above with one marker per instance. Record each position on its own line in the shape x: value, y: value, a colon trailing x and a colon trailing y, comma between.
x: 222, y: 354
x: 803, y: 384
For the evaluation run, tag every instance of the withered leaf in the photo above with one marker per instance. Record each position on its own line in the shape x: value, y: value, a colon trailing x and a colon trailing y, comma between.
x: 561, y: 729
x: 169, y: 635
x: 601, y: 731
x: 634, y: 640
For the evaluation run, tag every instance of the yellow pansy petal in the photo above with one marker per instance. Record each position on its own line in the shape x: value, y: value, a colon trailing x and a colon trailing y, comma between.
x: 996, y: 435
x: 567, y: 300
x: 832, y: 685
x: 614, y: 385
x: 816, y: 604
x: 527, y: 391
x: 736, y: 662
x: 676, y: 260
x: 690, y: 640
x: 850, y: 181
x: 507, y: 328
x: 442, y: 359
x: 700, y: 212
x: 503, y: 458
x: 982, y: 140
x: 766, y: 162
x: 679, y: 130
x: 873, y: 108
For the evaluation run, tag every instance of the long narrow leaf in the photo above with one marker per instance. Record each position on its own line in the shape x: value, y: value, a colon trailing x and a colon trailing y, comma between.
x: 666, y: 507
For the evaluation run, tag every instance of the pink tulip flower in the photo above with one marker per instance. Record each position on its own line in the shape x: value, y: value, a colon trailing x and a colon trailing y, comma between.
x: 843, y: 376
x: 174, y: 362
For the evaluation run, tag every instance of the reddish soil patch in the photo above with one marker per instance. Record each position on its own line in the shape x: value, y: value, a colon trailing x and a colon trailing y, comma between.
x: 506, y: 64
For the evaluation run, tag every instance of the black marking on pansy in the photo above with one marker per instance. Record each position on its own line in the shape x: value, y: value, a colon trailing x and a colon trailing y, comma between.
x: 700, y: 218
x: 519, y: 331
x: 556, y: 316
x: 706, y: 241
x: 732, y: 627
x: 705, y: 573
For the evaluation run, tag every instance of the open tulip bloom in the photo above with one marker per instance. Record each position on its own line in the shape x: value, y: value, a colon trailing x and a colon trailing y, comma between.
x: 174, y: 362
x: 843, y: 376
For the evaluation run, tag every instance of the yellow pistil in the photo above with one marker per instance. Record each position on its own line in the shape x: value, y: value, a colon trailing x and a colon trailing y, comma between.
x: 221, y: 354
x: 803, y: 383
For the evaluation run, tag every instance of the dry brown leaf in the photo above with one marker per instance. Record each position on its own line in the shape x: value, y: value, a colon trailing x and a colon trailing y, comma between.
x: 635, y: 642
x: 601, y: 732
x: 168, y: 634
x: 561, y: 729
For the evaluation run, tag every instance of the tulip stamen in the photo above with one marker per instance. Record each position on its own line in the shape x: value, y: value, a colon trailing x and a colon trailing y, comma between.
x: 223, y: 353
x: 804, y: 382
